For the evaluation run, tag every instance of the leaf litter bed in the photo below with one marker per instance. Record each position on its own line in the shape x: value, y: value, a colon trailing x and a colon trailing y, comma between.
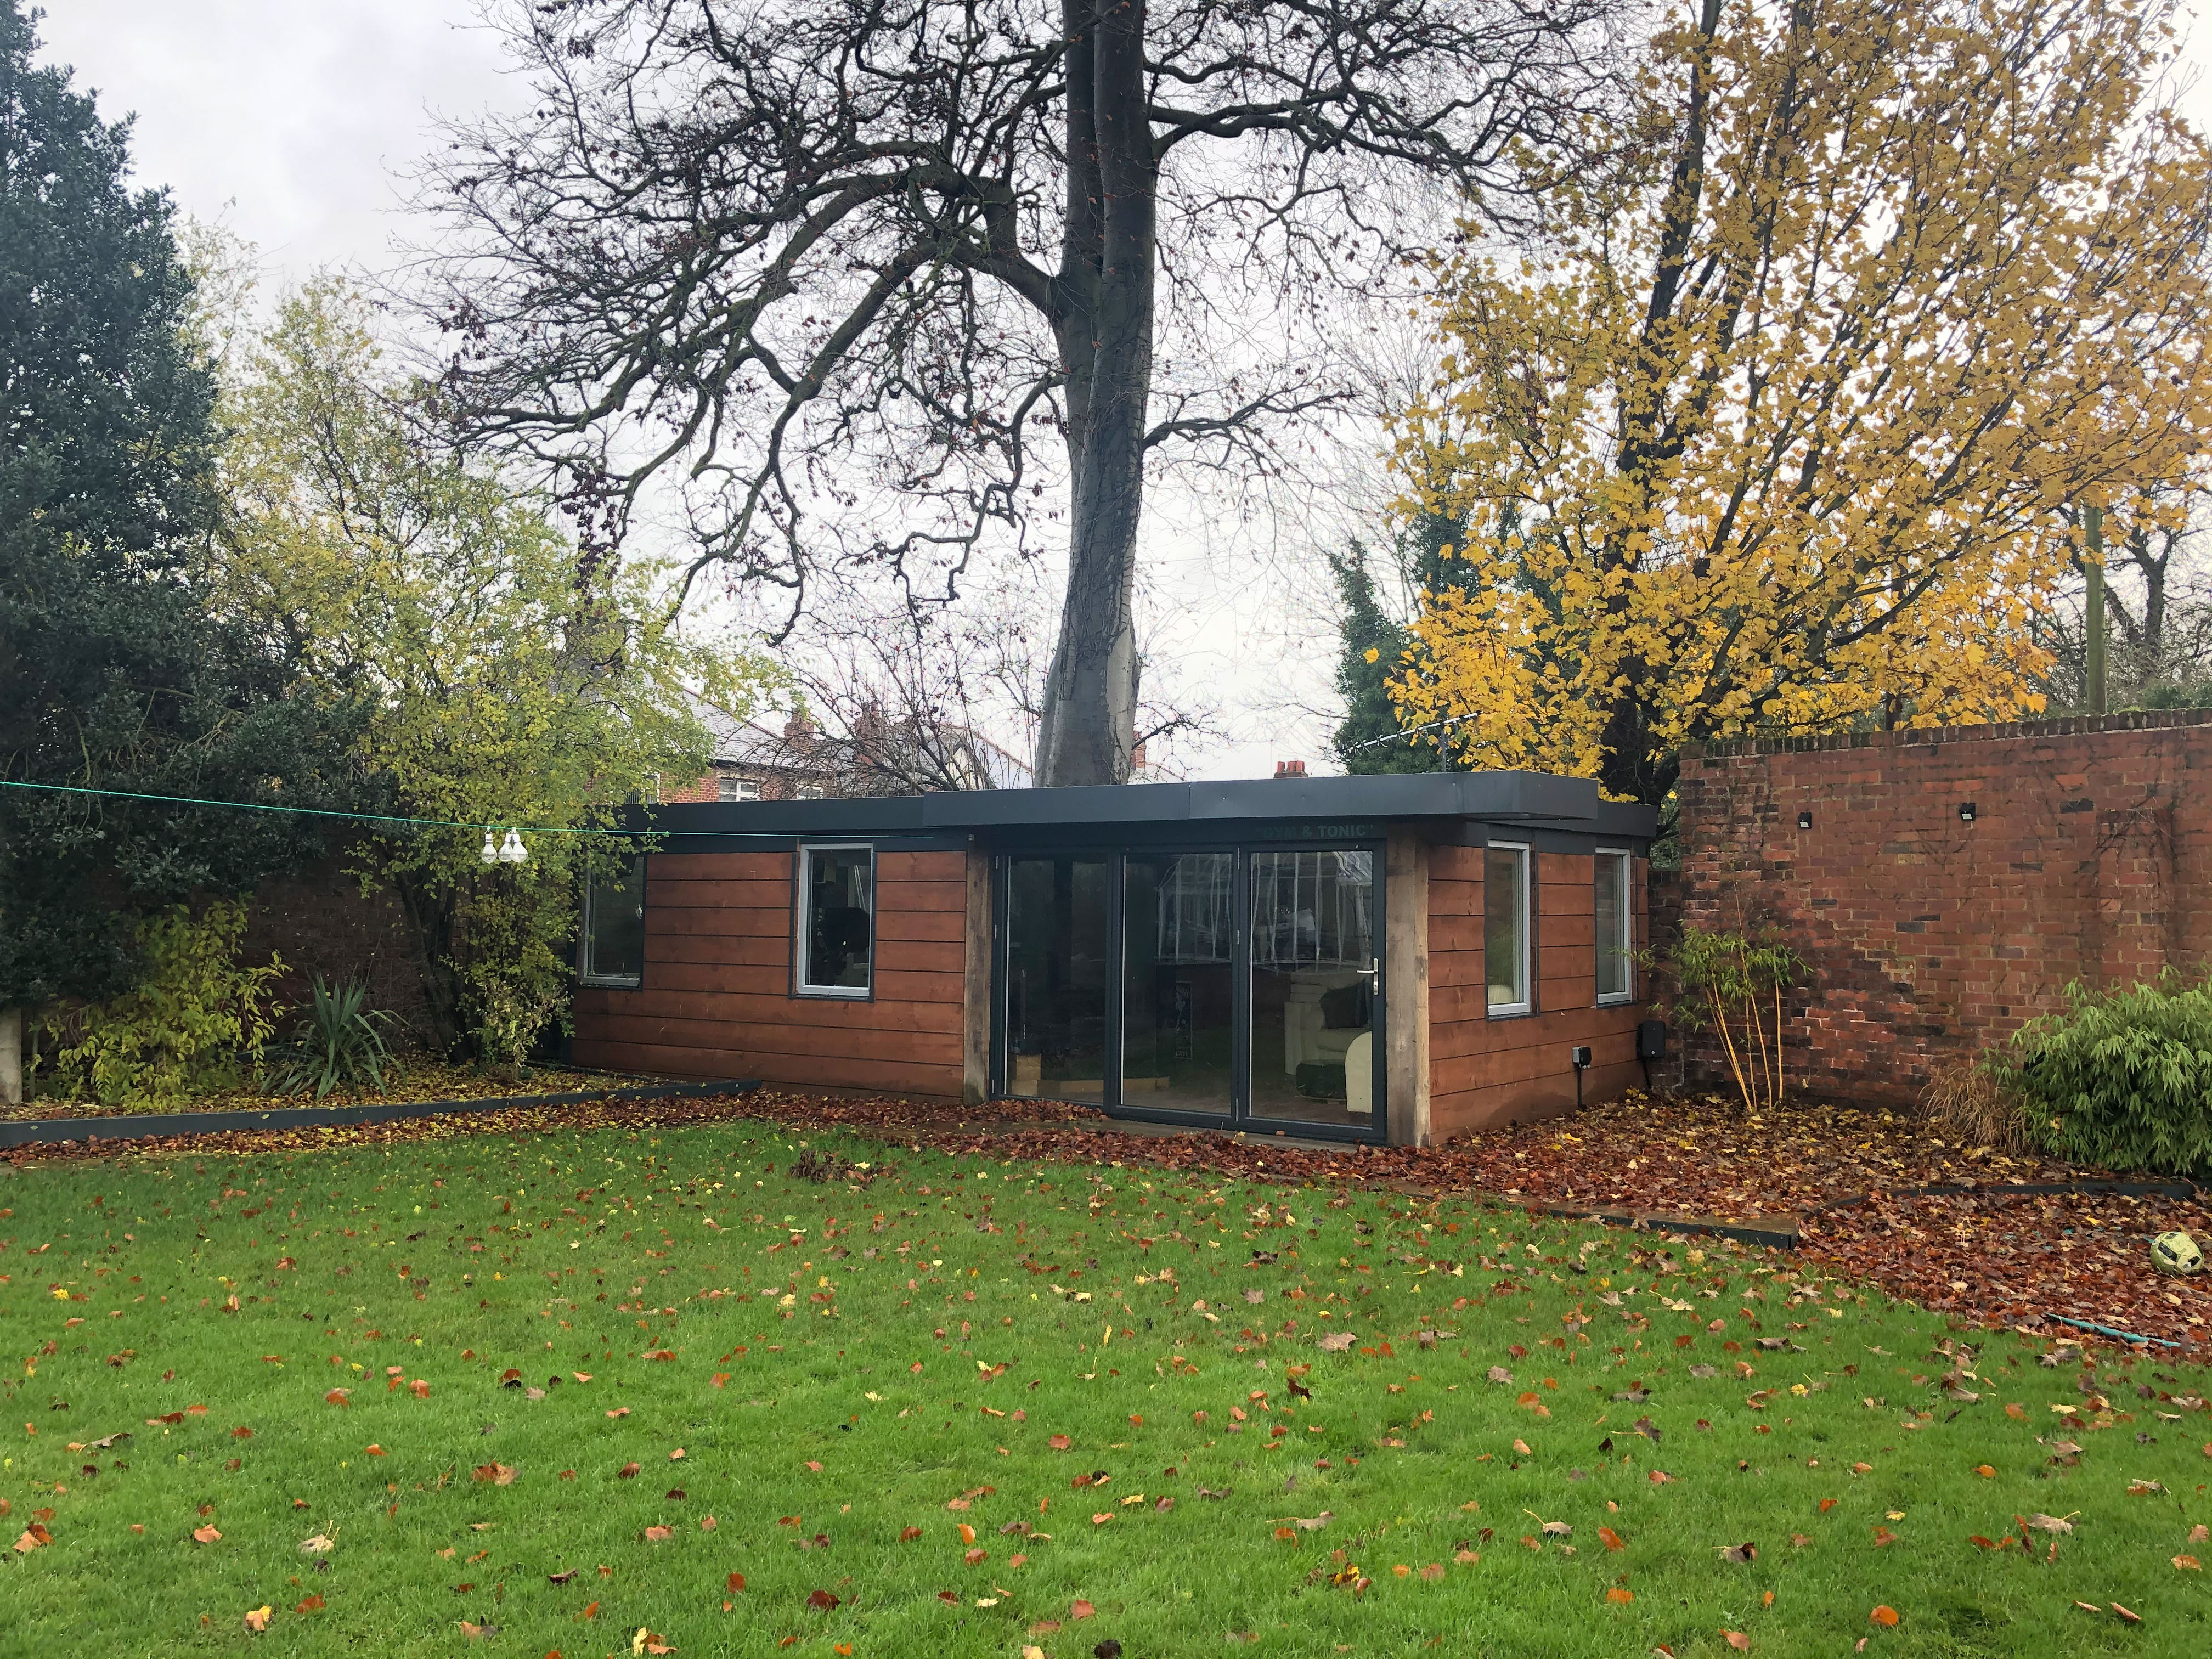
x: 413, y: 1078
x: 739, y: 1387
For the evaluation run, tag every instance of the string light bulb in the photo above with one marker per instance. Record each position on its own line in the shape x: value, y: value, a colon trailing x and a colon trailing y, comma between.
x: 490, y: 853
x: 512, y: 851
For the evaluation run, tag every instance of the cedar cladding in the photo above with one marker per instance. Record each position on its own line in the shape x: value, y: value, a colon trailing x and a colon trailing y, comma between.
x: 716, y: 999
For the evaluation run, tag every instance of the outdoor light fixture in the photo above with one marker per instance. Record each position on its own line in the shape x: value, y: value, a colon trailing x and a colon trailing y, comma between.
x: 508, y: 851
x: 1966, y: 812
x: 1804, y: 820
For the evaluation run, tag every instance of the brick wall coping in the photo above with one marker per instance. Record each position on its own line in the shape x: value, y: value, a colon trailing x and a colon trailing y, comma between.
x: 2134, y: 719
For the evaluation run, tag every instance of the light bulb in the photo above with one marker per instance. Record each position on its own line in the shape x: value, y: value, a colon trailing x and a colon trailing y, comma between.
x: 490, y: 854
x: 512, y: 851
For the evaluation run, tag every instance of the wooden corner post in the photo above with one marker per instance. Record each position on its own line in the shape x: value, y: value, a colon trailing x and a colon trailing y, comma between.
x: 1405, y: 987
x: 976, y: 1017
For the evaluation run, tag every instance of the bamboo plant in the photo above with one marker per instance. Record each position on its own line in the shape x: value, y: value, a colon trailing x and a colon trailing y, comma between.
x: 1734, y: 984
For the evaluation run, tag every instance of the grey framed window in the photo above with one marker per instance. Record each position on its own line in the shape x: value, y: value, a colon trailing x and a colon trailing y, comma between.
x: 1616, y: 962
x: 612, y: 951
x: 1505, y: 928
x: 836, y: 942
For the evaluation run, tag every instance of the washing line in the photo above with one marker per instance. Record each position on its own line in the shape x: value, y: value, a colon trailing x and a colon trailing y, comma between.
x: 326, y: 812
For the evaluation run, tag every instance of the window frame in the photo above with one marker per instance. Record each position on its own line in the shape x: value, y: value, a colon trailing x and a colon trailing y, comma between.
x: 803, y: 920
x: 1527, y: 1006
x: 730, y: 789
x: 586, y: 971
x: 1625, y: 861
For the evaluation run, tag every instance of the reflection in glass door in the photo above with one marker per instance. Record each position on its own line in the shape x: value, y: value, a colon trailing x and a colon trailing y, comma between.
x: 1179, y: 986
x: 1314, y: 974
x: 1059, y: 957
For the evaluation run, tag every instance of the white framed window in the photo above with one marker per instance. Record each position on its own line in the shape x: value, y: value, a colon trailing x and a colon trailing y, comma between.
x: 730, y: 788
x: 611, y: 950
x: 1616, y: 916
x: 807, y: 792
x: 1505, y: 927
x: 836, y: 946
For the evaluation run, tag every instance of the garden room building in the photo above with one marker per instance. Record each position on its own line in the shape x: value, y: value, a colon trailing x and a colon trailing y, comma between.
x: 1395, y: 958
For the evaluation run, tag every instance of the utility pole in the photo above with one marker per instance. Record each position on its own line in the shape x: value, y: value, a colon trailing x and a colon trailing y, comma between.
x: 2093, y: 525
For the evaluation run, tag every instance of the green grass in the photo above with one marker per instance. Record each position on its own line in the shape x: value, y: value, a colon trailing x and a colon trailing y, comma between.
x: 452, y: 1262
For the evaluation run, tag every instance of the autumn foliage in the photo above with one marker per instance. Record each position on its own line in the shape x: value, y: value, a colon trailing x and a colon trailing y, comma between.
x: 1780, y: 430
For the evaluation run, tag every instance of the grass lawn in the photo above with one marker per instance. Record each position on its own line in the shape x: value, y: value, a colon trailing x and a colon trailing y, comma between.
x: 980, y: 1404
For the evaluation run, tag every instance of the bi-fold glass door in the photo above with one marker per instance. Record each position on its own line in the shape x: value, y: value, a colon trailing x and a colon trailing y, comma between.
x: 1215, y: 985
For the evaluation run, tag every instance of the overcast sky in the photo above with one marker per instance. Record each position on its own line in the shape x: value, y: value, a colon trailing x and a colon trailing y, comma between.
x: 289, y: 120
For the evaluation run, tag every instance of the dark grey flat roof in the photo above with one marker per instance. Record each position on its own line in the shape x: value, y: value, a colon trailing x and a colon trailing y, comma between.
x: 1531, y: 798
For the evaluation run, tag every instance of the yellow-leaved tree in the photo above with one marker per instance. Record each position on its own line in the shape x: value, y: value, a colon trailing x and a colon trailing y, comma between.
x: 510, y: 678
x: 1781, y: 429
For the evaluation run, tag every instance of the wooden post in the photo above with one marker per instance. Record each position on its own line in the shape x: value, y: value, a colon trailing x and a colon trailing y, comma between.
x: 976, y: 1019
x: 1405, y: 987
x: 11, y: 1056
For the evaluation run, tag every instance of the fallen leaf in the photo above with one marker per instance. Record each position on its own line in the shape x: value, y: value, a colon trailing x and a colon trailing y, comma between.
x: 499, y: 1474
x: 257, y: 1618
x: 1080, y: 1609
x: 310, y: 1604
x: 206, y: 1534
x: 1741, y: 1554
x: 1885, y: 1616
x: 627, y: 1472
x: 2054, y: 1523
x: 317, y: 1545
x: 1611, y: 1540
x: 821, y: 1600
x: 658, y: 1534
x: 2188, y: 1563
x: 1617, y: 1594
x: 1736, y: 1639
x: 908, y: 1534
x: 2126, y: 1617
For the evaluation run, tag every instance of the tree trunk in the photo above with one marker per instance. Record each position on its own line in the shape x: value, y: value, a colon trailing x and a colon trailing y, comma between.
x: 1104, y: 329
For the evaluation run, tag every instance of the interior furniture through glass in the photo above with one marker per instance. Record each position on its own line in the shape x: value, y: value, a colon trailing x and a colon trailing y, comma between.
x: 1213, y: 984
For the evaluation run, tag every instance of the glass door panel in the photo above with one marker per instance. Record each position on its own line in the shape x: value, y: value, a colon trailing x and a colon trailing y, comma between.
x: 1179, y: 982
x: 1058, y: 956
x: 1314, y: 974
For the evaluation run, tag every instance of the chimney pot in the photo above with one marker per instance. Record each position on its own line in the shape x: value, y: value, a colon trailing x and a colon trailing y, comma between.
x: 1290, y: 769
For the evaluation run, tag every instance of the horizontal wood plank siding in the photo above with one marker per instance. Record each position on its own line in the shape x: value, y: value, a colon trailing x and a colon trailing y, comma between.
x: 717, y: 1001
x: 1485, y: 1073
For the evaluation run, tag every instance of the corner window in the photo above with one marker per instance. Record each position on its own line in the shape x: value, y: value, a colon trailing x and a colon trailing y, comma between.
x: 836, y: 921
x: 1615, y: 982
x: 1505, y: 927
x: 612, y: 951
x: 730, y: 788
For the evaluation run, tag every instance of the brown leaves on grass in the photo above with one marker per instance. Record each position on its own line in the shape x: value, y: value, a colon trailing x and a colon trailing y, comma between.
x: 206, y: 1534
x: 334, y: 1397
x: 1885, y: 1615
x: 820, y: 1601
x: 497, y: 1474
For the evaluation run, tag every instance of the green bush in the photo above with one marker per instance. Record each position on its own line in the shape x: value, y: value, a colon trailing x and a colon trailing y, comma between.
x: 196, y: 1025
x: 341, y: 1041
x: 2122, y: 1079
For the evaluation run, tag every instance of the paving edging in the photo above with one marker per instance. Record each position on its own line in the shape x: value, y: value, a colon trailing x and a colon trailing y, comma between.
x: 166, y: 1125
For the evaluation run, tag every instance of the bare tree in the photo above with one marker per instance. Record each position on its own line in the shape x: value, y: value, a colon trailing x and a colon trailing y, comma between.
x: 824, y: 264
x: 2158, y: 604
x: 901, y: 703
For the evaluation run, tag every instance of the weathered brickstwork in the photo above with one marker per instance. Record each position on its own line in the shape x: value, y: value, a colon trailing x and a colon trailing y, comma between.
x: 1931, y: 935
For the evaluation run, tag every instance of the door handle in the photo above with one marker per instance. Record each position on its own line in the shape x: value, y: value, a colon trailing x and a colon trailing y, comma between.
x: 1372, y: 973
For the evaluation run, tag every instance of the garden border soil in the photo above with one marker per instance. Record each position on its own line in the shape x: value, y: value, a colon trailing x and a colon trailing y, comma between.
x: 169, y: 1126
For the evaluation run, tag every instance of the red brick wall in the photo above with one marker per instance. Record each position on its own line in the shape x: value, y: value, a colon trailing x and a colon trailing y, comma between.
x: 716, y: 1001
x: 1929, y: 937
x: 323, y: 924
x: 1485, y: 1071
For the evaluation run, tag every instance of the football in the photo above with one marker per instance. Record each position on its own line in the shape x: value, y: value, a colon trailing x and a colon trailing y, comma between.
x: 2177, y: 1252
